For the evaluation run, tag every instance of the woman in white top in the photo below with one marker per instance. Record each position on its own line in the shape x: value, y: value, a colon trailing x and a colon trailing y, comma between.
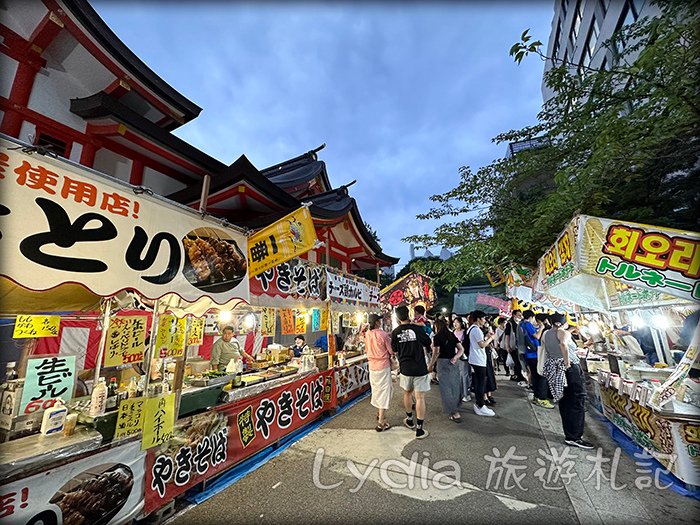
x: 477, y: 359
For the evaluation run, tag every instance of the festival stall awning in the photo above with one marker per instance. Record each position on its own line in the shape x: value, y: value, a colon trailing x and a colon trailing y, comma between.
x: 606, y: 264
x: 93, y: 230
x: 410, y: 290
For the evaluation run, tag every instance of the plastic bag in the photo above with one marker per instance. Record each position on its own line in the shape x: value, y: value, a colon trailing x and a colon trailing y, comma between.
x: 509, y: 361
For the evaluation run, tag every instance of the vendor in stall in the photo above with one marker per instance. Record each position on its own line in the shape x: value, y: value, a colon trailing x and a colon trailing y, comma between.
x: 225, y: 349
x: 299, y: 346
x: 646, y: 342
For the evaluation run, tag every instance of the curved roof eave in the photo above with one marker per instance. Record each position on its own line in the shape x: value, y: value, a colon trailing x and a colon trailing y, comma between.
x: 100, y: 31
x: 102, y: 105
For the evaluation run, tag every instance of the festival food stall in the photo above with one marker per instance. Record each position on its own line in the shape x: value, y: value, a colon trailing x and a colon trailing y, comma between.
x: 351, y: 300
x: 629, y: 274
x: 410, y: 290
x: 110, y: 281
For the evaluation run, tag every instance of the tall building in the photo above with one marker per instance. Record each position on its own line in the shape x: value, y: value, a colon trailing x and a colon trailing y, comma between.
x: 580, y: 27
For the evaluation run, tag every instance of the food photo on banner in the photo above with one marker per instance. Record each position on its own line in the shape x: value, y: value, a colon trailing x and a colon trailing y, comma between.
x: 102, y: 489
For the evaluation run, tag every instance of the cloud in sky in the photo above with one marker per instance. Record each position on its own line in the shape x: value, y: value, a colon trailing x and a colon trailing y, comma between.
x: 403, y: 94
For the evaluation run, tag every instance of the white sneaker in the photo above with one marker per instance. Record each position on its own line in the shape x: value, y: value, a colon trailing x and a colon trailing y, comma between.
x: 484, y: 411
x: 466, y: 399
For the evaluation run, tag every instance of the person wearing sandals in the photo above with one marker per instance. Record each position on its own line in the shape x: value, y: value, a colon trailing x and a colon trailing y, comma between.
x: 379, y: 354
x: 446, y: 353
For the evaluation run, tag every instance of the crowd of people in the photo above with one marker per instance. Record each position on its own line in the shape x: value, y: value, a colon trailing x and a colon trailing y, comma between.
x: 461, y: 356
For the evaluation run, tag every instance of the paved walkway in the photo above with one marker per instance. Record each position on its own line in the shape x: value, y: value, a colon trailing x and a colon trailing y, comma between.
x: 346, y: 472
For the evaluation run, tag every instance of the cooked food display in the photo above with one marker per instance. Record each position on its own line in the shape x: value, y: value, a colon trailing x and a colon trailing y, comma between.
x: 94, y: 499
x: 211, y: 259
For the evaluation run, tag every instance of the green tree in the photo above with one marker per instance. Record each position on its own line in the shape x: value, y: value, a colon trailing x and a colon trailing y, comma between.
x: 622, y: 142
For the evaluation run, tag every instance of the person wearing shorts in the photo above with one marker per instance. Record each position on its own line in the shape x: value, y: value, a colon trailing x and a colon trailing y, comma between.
x: 410, y: 343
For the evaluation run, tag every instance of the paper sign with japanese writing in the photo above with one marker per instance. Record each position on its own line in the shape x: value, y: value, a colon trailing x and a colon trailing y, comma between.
x: 283, y: 240
x: 96, y: 231
x: 125, y: 340
x: 158, y: 420
x: 27, y: 326
x: 315, y: 320
x: 323, y: 323
x: 196, y: 334
x: 287, y: 321
x: 46, y: 379
x: 300, y: 322
x: 268, y: 321
x: 130, y: 417
x: 171, y: 336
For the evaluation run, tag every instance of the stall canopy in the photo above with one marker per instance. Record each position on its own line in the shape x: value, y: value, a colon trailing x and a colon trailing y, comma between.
x: 606, y: 264
x: 93, y: 230
x: 410, y: 290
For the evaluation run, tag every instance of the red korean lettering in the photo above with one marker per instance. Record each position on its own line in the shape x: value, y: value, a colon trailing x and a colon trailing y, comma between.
x: 622, y: 241
x: 38, y: 178
x: 685, y: 257
x: 655, y: 248
x: 81, y: 191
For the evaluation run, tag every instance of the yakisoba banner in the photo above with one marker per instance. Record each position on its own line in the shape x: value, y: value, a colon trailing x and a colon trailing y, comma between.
x: 655, y: 264
x: 62, y: 223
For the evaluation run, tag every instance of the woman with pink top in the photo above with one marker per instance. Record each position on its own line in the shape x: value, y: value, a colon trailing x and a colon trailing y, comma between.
x: 378, y: 349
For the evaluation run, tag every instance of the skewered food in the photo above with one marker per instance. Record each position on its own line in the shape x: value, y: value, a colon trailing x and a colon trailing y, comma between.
x: 215, y: 263
x: 197, y: 259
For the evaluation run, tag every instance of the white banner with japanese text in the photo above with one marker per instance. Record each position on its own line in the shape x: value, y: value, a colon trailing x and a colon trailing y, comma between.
x: 63, y: 223
x: 348, y: 289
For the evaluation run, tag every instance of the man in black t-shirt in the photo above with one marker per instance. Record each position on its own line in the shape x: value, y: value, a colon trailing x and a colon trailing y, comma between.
x: 410, y: 343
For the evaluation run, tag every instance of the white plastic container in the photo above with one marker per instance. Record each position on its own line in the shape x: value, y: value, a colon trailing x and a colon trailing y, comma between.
x: 98, y: 401
x: 54, y: 418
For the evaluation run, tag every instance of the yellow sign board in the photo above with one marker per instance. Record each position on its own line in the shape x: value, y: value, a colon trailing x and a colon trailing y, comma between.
x: 158, y: 421
x: 196, y: 333
x: 283, y: 240
x: 324, y: 319
x: 125, y: 340
x: 29, y: 326
x: 268, y: 321
x: 171, y: 336
x: 300, y: 322
x: 130, y: 418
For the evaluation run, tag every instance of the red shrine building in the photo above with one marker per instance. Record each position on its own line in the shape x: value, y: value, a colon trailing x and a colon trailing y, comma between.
x: 69, y: 84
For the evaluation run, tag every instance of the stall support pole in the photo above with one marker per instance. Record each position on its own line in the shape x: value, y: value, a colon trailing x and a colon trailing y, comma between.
x: 103, y: 341
x: 151, y: 345
x: 180, y: 370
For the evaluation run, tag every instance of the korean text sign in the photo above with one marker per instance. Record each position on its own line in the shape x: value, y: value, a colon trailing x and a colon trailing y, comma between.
x: 659, y: 259
x: 98, y: 232
x: 46, y: 379
x: 250, y: 425
x: 285, y: 239
x: 125, y: 340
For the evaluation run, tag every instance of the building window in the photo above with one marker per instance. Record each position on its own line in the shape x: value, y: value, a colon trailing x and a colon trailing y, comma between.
x: 589, y: 47
x: 604, y: 66
x: 576, y: 26
x: 58, y: 146
x: 628, y: 16
x: 557, y: 35
x: 564, y: 6
x: 603, y: 5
